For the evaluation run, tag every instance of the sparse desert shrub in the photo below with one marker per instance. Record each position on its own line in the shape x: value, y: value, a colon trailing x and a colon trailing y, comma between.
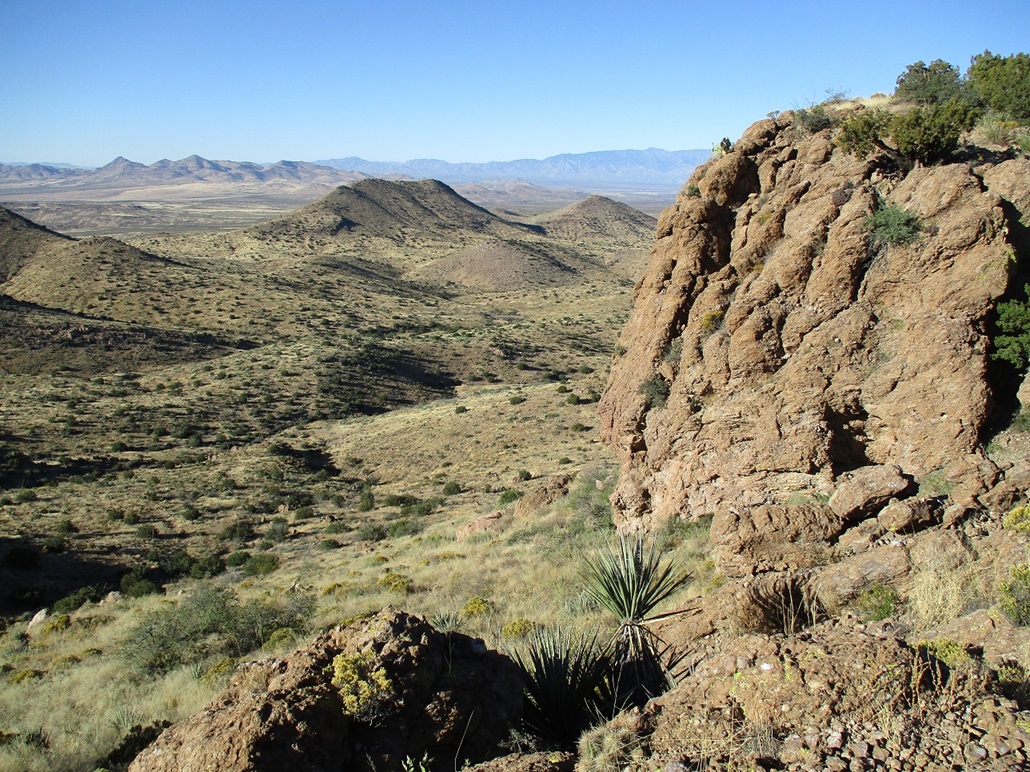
x: 238, y: 530
x: 88, y: 594
x: 136, y: 583
x: 366, y: 690
x: 259, y: 565
x: 237, y: 558
x: 66, y: 527
x: 396, y: 582
x: 57, y: 623
x: 53, y: 544
x: 611, y: 746
x: 451, y: 488
x: 949, y: 651
x: 211, y: 621
x: 692, y: 191
x: 1018, y: 519
x: 147, y: 531
x: 710, y: 322
x: 459, y: 409
x: 367, y: 501
x: 876, y: 603
x: 517, y: 399
x: 278, y: 530
x: 476, y: 607
x: 508, y: 495
x: 655, y: 391
x: 519, y: 628
x: 1014, y: 595
x: 404, y: 527
x: 813, y: 119
x: 372, y: 532
x: 892, y: 226
x: 941, y: 592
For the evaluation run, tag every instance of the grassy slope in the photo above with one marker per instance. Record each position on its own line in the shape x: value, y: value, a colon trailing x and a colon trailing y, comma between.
x: 153, y: 400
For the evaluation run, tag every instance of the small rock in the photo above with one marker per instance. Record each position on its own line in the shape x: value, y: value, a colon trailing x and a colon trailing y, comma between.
x: 975, y: 752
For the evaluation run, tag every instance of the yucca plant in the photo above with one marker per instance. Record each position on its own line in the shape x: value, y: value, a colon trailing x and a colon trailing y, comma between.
x: 630, y: 579
x: 564, y: 676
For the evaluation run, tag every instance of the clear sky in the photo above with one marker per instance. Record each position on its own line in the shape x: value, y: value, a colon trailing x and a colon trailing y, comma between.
x: 87, y: 80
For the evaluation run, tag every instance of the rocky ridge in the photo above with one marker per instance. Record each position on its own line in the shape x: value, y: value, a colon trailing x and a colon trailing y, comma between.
x: 802, y: 363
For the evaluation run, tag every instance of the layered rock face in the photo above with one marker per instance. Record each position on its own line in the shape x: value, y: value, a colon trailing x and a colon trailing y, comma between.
x: 811, y: 375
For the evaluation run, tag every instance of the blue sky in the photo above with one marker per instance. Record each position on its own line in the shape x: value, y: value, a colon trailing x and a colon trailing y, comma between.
x: 88, y: 80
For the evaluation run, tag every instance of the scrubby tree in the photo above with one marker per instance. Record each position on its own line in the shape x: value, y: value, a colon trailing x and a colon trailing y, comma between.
x: 1002, y: 83
x: 929, y: 135
x: 922, y: 136
x: 929, y: 85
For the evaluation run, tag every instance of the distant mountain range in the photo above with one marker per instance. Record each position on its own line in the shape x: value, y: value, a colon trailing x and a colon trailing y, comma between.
x: 122, y: 172
x: 635, y: 168
x: 652, y: 168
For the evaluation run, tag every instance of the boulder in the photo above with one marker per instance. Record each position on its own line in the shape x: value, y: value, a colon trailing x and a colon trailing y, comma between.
x: 427, y: 691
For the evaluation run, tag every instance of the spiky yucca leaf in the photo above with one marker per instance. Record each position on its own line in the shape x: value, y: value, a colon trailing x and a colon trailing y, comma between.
x: 631, y: 579
x: 564, y: 677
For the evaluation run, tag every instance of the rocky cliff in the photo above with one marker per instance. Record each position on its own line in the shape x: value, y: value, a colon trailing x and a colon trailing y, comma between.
x: 787, y: 375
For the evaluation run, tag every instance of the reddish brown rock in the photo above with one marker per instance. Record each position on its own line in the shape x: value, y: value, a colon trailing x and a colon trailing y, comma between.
x: 449, y: 695
x: 806, y: 352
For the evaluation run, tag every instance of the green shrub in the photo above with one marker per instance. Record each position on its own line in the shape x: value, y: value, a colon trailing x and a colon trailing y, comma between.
x: 459, y: 409
x: 404, y: 527
x: 237, y: 558
x: 949, y: 651
x: 88, y: 594
x: 1012, y: 344
x: 509, y: 495
x: 813, y: 119
x: 452, y: 488
x: 877, y: 603
x: 655, y: 391
x: 260, y: 565
x: 919, y: 136
x: 367, y: 502
x: 238, y: 530
x: 1014, y: 595
x: 147, y: 531
x: 929, y: 136
x: 209, y: 622
x: 516, y: 400
x: 136, y: 584
x: 693, y: 191
x: 372, y: 532
x: 892, y: 226
x: 278, y: 530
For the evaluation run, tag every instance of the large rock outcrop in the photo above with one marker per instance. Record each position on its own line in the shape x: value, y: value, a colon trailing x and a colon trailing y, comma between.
x: 416, y: 690
x: 811, y: 377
